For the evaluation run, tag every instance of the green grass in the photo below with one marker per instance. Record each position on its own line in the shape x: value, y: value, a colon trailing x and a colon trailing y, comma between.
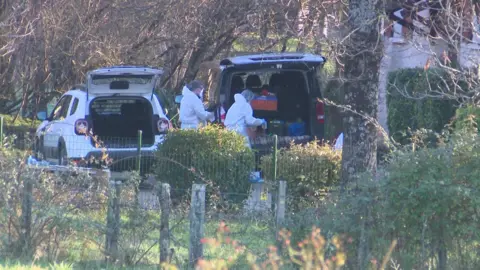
x: 83, y: 252
x: 11, y: 265
x: 39, y: 265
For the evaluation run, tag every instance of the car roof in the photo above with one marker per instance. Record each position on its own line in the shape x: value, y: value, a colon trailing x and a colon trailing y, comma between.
x: 75, y: 92
x: 273, y: 58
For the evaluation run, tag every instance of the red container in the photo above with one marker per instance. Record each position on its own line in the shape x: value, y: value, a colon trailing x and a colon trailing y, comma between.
x: 265, y: 103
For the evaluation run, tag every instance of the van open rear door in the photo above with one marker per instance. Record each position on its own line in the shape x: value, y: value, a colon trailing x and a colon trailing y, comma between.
x: 275, y: 60
x: 128, y: 80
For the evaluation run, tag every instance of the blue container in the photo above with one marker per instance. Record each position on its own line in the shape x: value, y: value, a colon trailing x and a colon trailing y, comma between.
x: 296, y: 129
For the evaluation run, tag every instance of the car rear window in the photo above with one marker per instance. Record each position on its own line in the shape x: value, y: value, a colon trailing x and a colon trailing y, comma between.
x: 131, y: 79
x: 110, y: 106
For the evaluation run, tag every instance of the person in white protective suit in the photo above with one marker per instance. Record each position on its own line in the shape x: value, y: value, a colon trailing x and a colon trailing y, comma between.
x: 240, y: 115
x: 192, y: 111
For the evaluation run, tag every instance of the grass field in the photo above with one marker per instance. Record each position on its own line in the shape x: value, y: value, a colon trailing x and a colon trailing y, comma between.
x: 139, y: 247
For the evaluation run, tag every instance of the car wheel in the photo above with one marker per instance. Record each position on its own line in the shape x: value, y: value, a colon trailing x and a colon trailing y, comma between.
x: 62, y: 156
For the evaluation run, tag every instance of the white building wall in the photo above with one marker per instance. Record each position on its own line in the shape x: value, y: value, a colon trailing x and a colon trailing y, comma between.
x: 469, y: 55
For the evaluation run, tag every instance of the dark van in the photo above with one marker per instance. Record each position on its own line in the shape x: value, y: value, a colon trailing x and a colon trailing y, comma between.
x: 287, y: 90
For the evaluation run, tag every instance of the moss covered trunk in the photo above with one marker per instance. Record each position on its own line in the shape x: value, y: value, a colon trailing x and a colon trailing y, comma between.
x: 362, y: 63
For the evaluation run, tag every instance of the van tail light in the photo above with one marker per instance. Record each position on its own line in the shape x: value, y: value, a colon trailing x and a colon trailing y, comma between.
x: 320, y: 112
x: 81, y: 127
x: 163, y: 125
x: 223, y: 115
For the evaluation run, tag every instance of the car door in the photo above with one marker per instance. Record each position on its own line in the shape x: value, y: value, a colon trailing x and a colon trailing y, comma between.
x: 54, y: 129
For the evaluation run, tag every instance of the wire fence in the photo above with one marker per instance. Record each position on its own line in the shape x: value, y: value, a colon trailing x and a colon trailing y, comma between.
x: 100, y: 218
x: 92, y: 216
x: 93, y: 210
x: 123, y: 154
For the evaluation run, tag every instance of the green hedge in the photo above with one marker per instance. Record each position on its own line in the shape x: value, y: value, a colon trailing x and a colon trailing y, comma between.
x: 210, y: 155
x: 22, y: 128
x: 429, y: 113
x: 433, y: 195
x: 308, y: 169
x: 466, y: 117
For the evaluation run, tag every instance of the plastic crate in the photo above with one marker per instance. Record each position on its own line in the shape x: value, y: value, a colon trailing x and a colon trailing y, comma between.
x: 265, y: 103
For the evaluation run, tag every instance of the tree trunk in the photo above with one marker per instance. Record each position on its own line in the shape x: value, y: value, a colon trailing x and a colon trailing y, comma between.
x: 362, y: 63
x: 382, y: 114
x: 442, y: 247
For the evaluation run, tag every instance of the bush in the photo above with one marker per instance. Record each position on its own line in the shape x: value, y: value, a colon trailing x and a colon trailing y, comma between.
x: 21, y: 129
x: 210, y: 155
x: 24, y: 125
x: 436, y: 191
x: 308, y: 169
x: 428, y: 113
x: 427, y: 199
x: 467, y: 117
x: 59, y: 208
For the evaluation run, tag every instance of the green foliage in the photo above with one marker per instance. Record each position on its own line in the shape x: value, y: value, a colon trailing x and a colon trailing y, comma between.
x: 417, y: 112
x: 436, y: 191
x: 467, y: 117
x: 209, y: 155
x: 20, y: 121
x: 427, y: 198
x: 60, y: 203
x: 308, y: 169
x: 423, y: 138
x: 20, y: 129
x: 333, y: 91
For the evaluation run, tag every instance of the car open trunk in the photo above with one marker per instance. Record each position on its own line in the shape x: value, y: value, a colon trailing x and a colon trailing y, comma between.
x: 116, y: 121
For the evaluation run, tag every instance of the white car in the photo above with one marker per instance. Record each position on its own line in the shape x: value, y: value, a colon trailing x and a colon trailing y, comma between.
x: 114, y: 105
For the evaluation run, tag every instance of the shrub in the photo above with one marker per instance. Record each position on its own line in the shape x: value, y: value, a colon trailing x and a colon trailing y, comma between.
x: 312, y: 253
x: 427, y: 198
x: 433, y: 194
x: 416, y: 113
x: 209, y: 155
x: 59, y: 205
x: 467, y: 117
x: 308, y: 169
x: 20, y: 129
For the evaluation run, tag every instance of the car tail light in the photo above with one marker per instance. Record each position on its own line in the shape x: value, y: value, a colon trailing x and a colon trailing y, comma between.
x: 163, y: 125
x: 320, y: 112
x: 81, y: 127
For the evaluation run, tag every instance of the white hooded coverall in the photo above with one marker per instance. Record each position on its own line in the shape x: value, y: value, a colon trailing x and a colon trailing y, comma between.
x: 240, y: 117
x: 192, y: 112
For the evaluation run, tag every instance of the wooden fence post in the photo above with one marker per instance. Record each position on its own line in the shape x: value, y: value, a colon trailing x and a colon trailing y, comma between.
x: 280, y: 209
x: 164, y: 196
x: 113, y: 221
x: 25, y: 244
x: 197, y: 220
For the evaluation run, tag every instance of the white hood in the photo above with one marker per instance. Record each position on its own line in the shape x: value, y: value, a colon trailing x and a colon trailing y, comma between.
x: 240, y: 116
x: 186, y: 91
x: 192, y: 112
x: 239, y: 98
